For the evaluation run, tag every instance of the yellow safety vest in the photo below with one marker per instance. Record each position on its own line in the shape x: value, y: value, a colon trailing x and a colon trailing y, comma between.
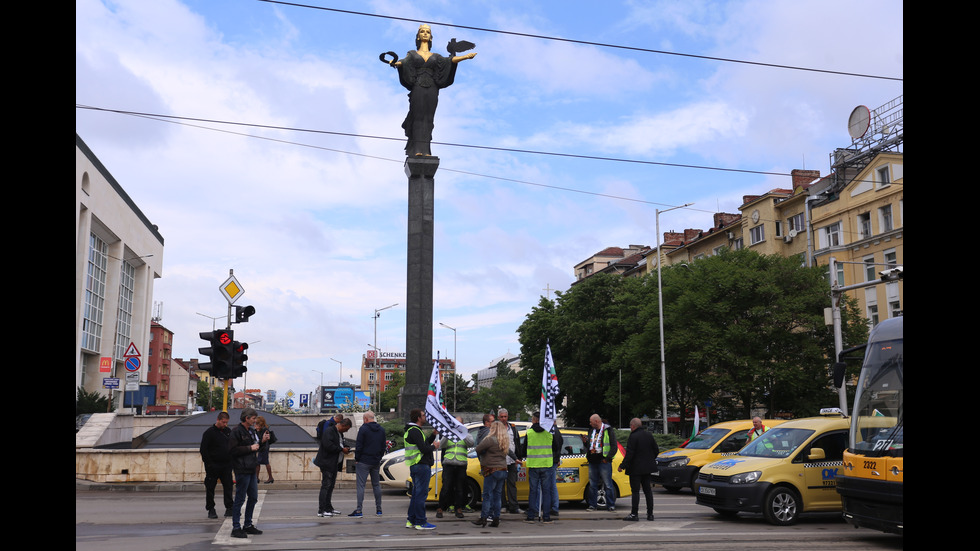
x: 539, y: 452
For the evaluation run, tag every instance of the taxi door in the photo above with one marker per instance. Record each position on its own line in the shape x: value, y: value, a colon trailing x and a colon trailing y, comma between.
x: 820, y: 471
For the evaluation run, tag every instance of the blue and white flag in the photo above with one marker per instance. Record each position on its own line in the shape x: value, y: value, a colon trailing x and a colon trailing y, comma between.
x: 435, y: 412
x: 549, y: 391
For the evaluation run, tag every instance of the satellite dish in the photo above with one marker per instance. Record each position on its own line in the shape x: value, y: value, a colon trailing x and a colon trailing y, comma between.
x: 858, y: 122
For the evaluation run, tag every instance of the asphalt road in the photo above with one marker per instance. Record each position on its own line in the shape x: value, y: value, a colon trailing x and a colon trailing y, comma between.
x: 176, y: 520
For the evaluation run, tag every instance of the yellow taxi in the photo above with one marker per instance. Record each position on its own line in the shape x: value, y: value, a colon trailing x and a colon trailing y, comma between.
x: 791, y: 469
x: 572, y: 473
x: 679, y: 467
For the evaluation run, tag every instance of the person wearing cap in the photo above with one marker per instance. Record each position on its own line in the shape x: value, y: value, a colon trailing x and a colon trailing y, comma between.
x: 243, y: 447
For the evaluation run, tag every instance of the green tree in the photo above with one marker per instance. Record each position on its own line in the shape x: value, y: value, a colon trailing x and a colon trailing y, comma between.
x: 90, y: 402
x: 389, y: 396
x: 506, y: 391
x: 211, y: 397
x: 458, y: 393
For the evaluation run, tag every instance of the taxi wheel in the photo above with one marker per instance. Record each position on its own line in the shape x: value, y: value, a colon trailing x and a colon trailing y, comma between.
x: 782, y: 506
x: 472, y: 493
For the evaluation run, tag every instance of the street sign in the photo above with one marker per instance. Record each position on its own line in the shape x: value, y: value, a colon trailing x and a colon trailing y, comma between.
x: 110, y: 383
x: 132, y: 364
x: 231, y: 289
x: 132, y: 381
x: 131, y: 350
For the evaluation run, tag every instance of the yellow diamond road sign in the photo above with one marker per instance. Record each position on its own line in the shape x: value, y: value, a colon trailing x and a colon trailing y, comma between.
x: 231, y: 289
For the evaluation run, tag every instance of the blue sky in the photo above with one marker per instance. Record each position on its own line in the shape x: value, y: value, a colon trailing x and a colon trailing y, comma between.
x: 313, y: 223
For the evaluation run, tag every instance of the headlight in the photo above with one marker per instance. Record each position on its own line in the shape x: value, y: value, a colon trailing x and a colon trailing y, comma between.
x: 746, y: 478
x: 679, y: 462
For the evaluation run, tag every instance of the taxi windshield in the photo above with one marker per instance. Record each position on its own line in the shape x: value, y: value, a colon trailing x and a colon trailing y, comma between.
x: 778, y: 442
x: 706, y: 439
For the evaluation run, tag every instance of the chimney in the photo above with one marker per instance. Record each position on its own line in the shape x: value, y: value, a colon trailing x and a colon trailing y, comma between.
x: 801, y: 178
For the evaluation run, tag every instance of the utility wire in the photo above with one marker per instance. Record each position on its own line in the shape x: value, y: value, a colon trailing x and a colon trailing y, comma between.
x: 588, y: 43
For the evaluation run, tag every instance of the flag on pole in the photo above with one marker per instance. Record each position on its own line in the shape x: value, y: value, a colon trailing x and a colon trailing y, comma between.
x: 435, y: 412
x: 549, y: 391
x: 697, y: 423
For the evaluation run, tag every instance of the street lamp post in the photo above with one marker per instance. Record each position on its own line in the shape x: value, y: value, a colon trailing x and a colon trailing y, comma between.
x: 660, y: 305
x: 454, y: 363
x: 341, y: 379
x: 377, y: 314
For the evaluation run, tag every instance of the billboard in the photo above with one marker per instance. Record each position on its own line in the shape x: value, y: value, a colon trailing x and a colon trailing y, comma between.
x: 335, y: 398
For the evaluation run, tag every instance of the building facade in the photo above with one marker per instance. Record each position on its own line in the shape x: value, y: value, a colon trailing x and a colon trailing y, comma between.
x: 378, y: 369
x: 118, y: 255
x: 861, y: 226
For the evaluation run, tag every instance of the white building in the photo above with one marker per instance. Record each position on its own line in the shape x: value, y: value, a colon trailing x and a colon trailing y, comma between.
x: 118, y: 254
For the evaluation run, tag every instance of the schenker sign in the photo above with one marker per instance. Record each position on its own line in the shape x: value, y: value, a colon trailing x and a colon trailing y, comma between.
x: 372, y: 354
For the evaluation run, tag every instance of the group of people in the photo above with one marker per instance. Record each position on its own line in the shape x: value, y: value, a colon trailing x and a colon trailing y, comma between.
x: 225, y: 451
x: 498, y: 447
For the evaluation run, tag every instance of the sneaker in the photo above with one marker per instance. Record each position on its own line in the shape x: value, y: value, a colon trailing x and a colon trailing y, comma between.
x: 426, y: 526
x: 228, y: 513
x: 468, y: 509
x: 649, y: 516
x: 408, y: 524
x: 324, y: 514
x: 334, y: 512
x: 459, y: 514
x: 590, y: 508
x: 530, y: 520
x: 631, y: 518
x: 547, y: 520
x: 611, y: 509
x: 554, y: 513
x: 356, y: 513
x: 438, y: 513
x: 251, y: 529
x: 379, y: 512
x: 239, y: 533
x: 212, y: 513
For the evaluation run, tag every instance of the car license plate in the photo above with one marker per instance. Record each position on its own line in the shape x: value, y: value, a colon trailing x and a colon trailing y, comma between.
x: 706, y: 491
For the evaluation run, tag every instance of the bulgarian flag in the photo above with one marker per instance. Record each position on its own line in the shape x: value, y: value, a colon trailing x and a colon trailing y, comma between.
x: 697, y: 423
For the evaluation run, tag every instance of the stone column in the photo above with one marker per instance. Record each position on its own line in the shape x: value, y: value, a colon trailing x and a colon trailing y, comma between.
x: 418, y: 326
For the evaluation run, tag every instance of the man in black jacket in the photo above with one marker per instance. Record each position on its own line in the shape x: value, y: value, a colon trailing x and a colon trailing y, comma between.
x: 217, y: 464
x: 369, y: 448
x: 640, y: 462
x: 244, y: 446
x: 328, y: 458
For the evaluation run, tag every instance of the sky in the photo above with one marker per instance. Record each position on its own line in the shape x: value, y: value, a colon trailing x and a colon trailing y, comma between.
x: 265, y: 138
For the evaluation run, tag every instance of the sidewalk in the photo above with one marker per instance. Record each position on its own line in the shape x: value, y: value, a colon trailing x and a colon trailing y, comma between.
x: 88, y: 485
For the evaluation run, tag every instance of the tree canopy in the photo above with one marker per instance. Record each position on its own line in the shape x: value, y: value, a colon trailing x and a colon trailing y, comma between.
x: 741, y: 330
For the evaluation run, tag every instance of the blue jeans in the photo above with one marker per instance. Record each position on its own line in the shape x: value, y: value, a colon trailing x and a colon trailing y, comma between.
x: 493, y: 487
x: 247, y: 485
x: 540, y: 479
x: 601, y: 473
x: 420, y: 490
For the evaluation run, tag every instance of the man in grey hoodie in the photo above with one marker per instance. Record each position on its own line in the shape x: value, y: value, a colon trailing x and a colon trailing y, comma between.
x: 368, y: 451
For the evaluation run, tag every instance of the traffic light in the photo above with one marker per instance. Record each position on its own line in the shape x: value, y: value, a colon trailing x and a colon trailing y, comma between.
x: 238, y: 359
x: 242, y: 313
x: 219, y: 352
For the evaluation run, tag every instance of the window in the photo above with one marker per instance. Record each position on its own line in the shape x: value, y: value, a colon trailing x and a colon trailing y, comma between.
x: 779, y: 228
x: 796, y: 222
x: 864, y: 225
x: 757, y: 234
x: 94, y: 293
x: 883, y: 179
x: 885, y: 218
x: 389, y: 376
x: 870, y: 274
x: 891, y: 260
x: 371, y: 376
x: 124, y: 323
x: 738, y: 244
x: 831, y: 235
